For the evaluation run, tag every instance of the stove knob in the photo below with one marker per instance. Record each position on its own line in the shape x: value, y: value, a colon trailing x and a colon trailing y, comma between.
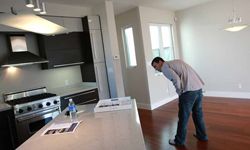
x: 55, y: 102
x: 48, y: 104
x: 20, y: 111
x: 40, y: 106
x: 29, y: 108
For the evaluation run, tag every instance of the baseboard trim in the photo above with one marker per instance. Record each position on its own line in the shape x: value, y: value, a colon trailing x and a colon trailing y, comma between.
x: 163, y: 102
x: 143, y: 106
x: 156, y: 104
x: 244, y: 95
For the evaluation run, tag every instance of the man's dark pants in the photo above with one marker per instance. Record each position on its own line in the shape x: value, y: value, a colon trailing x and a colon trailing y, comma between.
x: 190, y: 101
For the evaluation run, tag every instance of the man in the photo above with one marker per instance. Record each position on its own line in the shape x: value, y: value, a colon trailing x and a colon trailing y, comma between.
x: 188, y: 86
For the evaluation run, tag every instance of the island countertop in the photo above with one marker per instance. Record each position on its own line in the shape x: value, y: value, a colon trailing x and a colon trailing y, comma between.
x: 114, y: 130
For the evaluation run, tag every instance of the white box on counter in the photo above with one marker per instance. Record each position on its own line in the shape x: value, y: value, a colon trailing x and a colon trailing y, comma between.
x: 113, y: 104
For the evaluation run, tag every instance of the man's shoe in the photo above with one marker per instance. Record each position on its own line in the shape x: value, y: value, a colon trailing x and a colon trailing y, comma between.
x: 172, y: 142
x: 204, y: 140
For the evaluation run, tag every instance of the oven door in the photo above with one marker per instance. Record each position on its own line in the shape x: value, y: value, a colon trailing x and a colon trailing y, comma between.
x: 29, y: 124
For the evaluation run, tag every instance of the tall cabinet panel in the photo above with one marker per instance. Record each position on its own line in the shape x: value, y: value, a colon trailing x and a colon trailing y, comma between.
x: 101, y: 79
x: 96, y: 45
x: 95, y: 58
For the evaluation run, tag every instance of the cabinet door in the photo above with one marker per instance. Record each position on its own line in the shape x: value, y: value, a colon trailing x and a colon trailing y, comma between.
x: 102, y: 80
x: 61, y: 50
x: 8, y: 137
x: 91, y: 23
x: 94, y: 22
x: 86, y: 97
x: 97, y: 45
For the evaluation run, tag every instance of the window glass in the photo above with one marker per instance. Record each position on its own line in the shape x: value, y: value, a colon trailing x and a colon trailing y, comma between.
x: 154, y: 35
x: 129, y: 47
x: 166, y: 36
x: 161, y: 41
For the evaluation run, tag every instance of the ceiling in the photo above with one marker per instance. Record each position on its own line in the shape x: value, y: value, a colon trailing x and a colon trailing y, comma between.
x: 124, y: 5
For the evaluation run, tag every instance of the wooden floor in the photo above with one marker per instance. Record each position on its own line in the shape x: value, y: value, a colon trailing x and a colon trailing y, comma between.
x: 227, y: 121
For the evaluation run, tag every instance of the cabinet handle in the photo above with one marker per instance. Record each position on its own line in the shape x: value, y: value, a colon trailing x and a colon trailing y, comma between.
x: 70, y: 64
x: 97, y: 78
x: 87, y: 101
x: 92, y: 91
x: 39, y: 114
x: 93, y: 45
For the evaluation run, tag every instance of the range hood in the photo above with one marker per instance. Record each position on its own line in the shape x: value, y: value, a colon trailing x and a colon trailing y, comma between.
x: 19, y: 55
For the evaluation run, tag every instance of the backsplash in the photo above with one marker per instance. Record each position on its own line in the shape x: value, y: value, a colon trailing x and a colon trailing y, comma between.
x: 29, y: 77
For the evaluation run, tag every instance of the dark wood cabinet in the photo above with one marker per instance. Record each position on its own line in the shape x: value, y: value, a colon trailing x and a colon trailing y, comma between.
x: 86, y: 97
x: 8, y: 136
x: 87, y: 69
x: 62, y: 50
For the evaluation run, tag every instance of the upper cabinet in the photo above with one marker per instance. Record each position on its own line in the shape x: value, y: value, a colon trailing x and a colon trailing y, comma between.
x: 62, y: 50
x: 95, y: 68
x: 91, y: 23
x: 91, y: 27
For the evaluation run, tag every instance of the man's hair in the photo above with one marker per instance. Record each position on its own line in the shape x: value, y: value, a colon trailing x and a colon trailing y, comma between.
x: 156, y: 60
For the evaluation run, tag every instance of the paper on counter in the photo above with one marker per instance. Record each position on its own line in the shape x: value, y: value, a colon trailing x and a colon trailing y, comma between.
x: 60, y: 128
x: 113, y: 104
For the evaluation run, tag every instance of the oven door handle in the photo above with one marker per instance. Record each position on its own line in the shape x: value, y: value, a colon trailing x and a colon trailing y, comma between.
x: 41, y: 113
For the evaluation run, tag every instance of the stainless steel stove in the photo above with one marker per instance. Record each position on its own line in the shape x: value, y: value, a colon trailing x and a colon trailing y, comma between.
x: 33, y: 109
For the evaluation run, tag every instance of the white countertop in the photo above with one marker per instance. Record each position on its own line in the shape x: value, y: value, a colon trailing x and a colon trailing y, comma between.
x: 4, y: 106
x: 74, y: 88
x: 115, y: 130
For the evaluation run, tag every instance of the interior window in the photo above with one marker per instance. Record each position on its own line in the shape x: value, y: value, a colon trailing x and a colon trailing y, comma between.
x: 129, y: 47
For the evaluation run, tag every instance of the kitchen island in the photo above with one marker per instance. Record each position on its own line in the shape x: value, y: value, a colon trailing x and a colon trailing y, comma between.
x: 114, y: 130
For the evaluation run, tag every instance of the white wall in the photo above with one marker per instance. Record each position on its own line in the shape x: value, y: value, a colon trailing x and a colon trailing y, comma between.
x: 161, y: 90
x: 220, y: 57
x: 135, y: 79
x: 151, y: 91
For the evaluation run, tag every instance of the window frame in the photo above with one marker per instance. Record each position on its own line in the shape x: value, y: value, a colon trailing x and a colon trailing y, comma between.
x: 161, y: 51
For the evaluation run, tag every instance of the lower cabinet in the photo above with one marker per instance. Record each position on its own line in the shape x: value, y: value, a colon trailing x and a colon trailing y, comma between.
x: 82, y: 98
x: 8, y: 136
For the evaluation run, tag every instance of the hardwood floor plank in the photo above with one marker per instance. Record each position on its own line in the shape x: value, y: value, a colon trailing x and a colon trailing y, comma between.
x: 227, y: 121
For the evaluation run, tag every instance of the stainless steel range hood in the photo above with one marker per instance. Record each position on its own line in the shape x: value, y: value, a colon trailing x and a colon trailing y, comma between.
x: 20, y: 56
